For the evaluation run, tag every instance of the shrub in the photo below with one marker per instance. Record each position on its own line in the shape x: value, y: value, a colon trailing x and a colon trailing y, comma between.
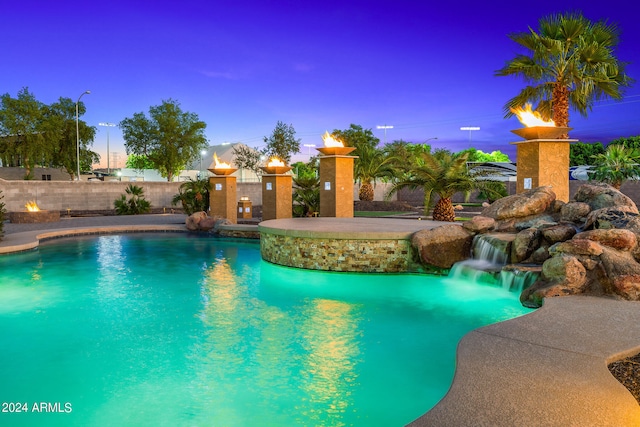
x: 306, y: 196
x: 136, y: 204
x: 194, y: 196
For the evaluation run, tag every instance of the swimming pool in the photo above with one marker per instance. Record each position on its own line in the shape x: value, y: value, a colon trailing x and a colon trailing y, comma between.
x: 173, y: 329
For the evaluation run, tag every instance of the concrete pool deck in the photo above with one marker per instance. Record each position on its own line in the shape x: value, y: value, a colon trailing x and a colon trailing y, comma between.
x: 548, y: 368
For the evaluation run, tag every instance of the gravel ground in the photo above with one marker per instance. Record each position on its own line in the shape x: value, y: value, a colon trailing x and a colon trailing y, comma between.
x: 627, y: 371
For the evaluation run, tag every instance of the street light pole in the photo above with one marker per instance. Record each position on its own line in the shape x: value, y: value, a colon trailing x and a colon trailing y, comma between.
x: 385, y: 127
x: 108, y: 125
x: 309, y: 146
x: 78, y: 135
x: 470, y: 129
x: 202, y: 153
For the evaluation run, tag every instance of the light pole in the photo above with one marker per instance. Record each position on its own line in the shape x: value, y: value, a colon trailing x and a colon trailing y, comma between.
x: 202, y: 153
x: 385, y: 127
x: 470, y: 129
x: 309, y: 146
x: 108, y: 125
x: 78, y: 134
x: 429, y: 139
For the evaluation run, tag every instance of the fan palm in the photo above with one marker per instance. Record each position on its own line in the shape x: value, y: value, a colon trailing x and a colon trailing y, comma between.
x: 371, y: 164
x: 440, y: 173
x: 616, y: 165
x: 571, y: 63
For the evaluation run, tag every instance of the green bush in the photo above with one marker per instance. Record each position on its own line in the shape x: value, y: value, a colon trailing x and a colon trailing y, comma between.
x: 194, y: 196
x: 136, y: 204
x: 2, y: 215
x: 306, y: 196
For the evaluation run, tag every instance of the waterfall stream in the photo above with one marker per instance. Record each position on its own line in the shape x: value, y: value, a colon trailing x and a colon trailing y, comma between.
x: 489, y: 255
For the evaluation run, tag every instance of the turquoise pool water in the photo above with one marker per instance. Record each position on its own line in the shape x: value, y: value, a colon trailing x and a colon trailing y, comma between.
x: 177, y: 330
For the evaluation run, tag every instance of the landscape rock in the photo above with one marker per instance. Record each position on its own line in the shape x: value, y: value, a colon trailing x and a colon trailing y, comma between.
x: 207, y: 223
x: 531, y: 202
x: 220, y: 222
x: 194, y: 219
x: 623, y: 240
x: 561, y: 275
x: 525, y: 243
x: 600, y: 195
x: 575, y: 212
x: 480, y: 224
x: 558, y: 233
x: 618, y: 217
x: 576, y: 247
x: 443, y: 246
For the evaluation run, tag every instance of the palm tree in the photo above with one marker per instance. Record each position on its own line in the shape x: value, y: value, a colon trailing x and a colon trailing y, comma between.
x: 616, y: 165
x: 371, y: 164
x: 193, y: 195
x: 439, y: 173
x: 571, y: 63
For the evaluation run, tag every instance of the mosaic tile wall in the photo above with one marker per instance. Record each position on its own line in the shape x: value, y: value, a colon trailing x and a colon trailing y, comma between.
x: 379, y: 256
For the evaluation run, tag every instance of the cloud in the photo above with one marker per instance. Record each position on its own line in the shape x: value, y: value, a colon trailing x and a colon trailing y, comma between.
x: 228, y: 75
x: 302, y: 67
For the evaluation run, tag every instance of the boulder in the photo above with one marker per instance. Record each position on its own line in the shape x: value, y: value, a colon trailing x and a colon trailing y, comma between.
x: 194, y: 219
x: 599, y: 195
x: 623, y: 240
x: 575, y: 212
x: 558, y: 233
x: 207, y: 223
x: 561, y: 275
x: 479, y: 224
x: 525, y: 243
x: 622, y: 273
x: 610, y: 217
x: 528, y: 203
x: 443, y: 246
x: 582, y: 247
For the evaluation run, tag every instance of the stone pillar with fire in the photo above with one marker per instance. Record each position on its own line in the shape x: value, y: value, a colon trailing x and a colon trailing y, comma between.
x: 222, y: 196
x: 277, y: 199
x: 542, y: 158
x: 336, y: 178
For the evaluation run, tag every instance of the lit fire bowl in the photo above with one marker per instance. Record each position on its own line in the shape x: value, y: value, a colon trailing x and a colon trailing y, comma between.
x: 34, y: 217
x: 223, y: 171
x: 335, y: 151
x: 541, y: 132
x: 276, y: 170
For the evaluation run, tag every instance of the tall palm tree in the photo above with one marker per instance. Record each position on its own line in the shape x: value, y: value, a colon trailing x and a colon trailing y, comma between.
x: 616, y: 165
x: 571, y: 63
x: 439, y: 173
x: 372, y: 164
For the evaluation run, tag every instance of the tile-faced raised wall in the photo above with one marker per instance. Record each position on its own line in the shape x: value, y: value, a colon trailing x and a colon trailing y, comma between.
x: 379, y: 256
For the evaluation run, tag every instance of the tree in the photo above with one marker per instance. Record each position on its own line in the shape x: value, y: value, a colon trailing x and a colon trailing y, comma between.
x: 170, y: 138
x: 282, y: 143
x: 475, y: 155
x: 21, y: 126
x: 583, y: 154
x: 356, y: 136
x: 571, y: 63
x: 60, y: 130
x: 139, y: 162
x: 630, y: 142
x: 440, y: 173
x: 372, y: 164
x: 247, y: 158
x: 616, y: 165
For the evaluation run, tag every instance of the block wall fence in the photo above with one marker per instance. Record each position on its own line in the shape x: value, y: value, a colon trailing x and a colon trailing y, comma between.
x: 98, y: 195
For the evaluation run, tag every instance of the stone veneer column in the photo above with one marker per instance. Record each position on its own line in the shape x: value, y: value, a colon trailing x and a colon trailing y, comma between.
x: 336, y: 186
x: 543, y: 162
x: 277, y: 198
x: 222, y: 197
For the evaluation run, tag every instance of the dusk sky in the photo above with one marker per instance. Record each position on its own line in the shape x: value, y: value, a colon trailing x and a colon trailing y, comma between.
x: 423, y: 67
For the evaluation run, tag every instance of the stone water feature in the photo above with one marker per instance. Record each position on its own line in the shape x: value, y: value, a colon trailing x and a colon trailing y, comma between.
x: 586, y: 246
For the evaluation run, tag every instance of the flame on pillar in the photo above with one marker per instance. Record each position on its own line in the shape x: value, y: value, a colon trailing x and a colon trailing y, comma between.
x: 275, y: 162
x: 330, y: 141
x: 218, y: 164
x: 32, y: 206
x: 531, y: 118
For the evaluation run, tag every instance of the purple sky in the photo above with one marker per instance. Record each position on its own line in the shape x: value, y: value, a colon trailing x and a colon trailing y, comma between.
x: 425, y: 68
